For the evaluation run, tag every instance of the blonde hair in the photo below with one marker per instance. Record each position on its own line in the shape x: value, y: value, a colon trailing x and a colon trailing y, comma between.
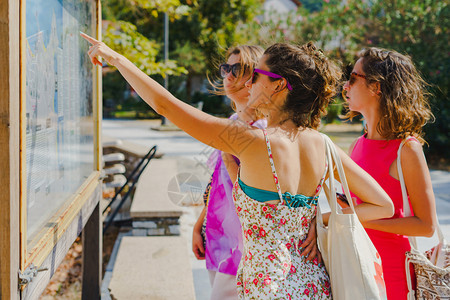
x: 249, y: 58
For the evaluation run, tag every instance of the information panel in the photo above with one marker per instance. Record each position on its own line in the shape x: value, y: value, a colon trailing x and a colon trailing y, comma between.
x: 59, y: 106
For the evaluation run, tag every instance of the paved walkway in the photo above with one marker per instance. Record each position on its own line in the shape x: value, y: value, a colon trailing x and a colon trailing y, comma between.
x: 191, y: 156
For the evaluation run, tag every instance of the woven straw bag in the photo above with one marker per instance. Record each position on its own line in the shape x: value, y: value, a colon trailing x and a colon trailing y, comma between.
x: 432, y: 268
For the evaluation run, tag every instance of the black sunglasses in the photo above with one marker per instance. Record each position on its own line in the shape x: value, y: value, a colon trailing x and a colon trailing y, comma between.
x: 225, y: 69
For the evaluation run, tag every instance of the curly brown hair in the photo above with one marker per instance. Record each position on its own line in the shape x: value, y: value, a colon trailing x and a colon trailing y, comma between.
x: 404, y: 107
x: 314, y: 79
x: 250, y: 54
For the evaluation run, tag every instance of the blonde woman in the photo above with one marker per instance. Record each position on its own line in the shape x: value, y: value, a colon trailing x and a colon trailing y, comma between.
x: 217, y: 235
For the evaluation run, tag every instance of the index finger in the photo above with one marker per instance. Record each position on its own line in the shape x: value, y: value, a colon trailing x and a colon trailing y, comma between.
x: 89, y: 39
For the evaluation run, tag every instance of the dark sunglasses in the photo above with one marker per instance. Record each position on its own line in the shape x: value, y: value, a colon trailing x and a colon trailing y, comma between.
x: 353, y: 76
x: 270, y: 74
x: 351, y: 81
x: 225, y: 69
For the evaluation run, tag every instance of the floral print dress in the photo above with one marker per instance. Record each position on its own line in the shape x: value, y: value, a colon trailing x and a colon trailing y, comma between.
x: 271, y: 266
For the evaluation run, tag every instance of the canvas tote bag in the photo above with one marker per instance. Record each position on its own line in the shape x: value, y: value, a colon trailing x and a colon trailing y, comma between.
x: 432, y: 268
x: 352, y: 262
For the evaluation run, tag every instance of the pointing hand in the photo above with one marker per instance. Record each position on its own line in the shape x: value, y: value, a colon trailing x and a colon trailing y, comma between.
x: 100, y: 49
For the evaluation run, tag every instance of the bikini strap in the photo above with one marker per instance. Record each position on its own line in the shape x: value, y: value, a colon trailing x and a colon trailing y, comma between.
x: 319, y: 187
x: 272, y: 165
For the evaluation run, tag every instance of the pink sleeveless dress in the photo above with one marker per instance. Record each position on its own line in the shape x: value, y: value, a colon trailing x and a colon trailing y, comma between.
x: 375, y: 157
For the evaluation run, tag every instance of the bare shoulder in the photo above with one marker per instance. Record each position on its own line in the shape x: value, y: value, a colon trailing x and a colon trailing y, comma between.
x: 311, y: 136
x: 412, y: 150
x: 251, y: 143
x: 311, y: 143
x: 352, y: 146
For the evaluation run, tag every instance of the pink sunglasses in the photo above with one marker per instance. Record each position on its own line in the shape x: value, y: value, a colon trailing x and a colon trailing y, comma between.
x: 270, y: 74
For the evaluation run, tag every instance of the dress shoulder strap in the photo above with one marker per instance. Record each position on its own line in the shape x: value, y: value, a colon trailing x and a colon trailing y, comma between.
x: 272, y: 165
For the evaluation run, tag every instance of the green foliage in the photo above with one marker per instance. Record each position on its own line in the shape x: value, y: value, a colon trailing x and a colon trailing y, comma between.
x: 422, y: 29
x: 199, y: 32
x: 120, y: 33
x: 142, y: 9
x: 125, y: 39
x: 218, y: 20
x: 113, y: 88
x: 334, y: 110
x: 212, y: 104
x: 419, y: 28
x: 171, y: 7
x: 190, y: 56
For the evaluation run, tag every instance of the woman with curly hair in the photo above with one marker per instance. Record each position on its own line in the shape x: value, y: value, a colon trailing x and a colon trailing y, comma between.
x: 291, y: 87
x: 386, y: 89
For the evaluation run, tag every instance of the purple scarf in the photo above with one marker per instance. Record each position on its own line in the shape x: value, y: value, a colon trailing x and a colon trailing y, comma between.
x: 223, y: 230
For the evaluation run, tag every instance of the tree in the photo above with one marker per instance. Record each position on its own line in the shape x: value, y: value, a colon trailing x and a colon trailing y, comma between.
x: 199, y: 32
x: 203, y: 36
x: 124, y: 37
x: 421, y: 30
x: 417, y: 28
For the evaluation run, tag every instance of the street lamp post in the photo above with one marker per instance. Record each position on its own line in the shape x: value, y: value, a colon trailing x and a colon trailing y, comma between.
x: 166, y: 57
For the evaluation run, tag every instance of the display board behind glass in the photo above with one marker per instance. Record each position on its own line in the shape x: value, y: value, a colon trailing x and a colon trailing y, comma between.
x: 59, y: 106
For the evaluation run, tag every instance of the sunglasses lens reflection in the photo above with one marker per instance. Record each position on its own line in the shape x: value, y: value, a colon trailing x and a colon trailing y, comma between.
x: 225, y: 69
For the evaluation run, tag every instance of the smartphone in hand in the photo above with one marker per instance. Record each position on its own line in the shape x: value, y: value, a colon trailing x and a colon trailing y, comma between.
x: 342, y: 200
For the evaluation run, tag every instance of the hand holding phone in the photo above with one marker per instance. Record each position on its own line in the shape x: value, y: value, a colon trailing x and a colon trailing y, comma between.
x: 342, y: 200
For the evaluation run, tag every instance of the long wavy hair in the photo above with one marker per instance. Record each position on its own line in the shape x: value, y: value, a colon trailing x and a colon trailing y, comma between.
x: 404, y: 106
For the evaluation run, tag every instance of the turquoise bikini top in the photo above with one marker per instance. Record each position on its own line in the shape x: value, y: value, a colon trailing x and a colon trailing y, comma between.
x: 290, y: 200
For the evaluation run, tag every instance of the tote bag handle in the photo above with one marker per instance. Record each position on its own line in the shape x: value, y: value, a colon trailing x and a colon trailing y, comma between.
x: 333, y: 157
x: 406, y: 206
x: 407, y: 213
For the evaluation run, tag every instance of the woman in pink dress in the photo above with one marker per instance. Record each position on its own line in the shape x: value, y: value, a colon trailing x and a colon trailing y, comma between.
x: 386, y: 89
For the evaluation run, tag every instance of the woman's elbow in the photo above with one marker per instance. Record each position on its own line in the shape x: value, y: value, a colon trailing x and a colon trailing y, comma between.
x: 158, y: 108
x: 429, y: 230
x: 389, y: 209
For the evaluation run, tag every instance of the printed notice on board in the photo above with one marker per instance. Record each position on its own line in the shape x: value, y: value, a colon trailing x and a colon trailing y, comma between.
x: 59, y: 102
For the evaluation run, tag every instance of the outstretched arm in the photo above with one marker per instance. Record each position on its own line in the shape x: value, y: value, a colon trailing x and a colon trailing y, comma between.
x: 223, y: 134
x: 420, y: 191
